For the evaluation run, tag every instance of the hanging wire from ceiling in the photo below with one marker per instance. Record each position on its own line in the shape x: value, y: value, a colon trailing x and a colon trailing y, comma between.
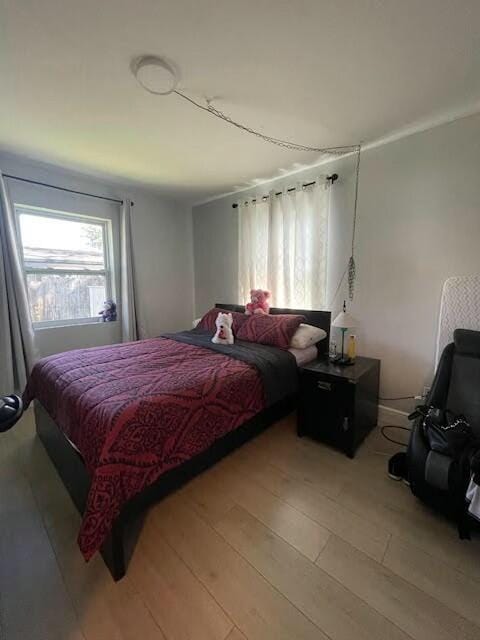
x: 286, y: 144
x: 146, y: 63
x: 279, y: 142
x: 352, y: 267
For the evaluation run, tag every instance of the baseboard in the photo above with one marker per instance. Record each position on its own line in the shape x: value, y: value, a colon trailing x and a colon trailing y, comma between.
x: 388, y: 415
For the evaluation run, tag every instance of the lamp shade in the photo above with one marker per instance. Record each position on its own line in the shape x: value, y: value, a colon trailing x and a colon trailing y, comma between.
x: 344, y: 320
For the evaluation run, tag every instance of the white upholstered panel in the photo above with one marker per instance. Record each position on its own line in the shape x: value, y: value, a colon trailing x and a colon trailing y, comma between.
x: 459, y: 309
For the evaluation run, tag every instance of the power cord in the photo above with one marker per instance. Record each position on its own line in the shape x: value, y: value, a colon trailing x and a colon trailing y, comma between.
x: 394, y: 426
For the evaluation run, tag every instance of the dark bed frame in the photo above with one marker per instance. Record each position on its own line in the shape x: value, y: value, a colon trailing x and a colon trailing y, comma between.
x: 118, y: 548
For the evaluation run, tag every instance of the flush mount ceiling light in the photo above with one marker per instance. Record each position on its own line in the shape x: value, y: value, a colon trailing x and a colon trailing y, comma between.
x: 156, y: 75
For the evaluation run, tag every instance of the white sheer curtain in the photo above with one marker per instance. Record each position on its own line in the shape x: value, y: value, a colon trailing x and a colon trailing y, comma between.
x: 127, y: 279
x: 17, y: 344
x: 283, y: 246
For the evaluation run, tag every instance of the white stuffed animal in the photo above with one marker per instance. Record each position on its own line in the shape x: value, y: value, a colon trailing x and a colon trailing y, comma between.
x: 224, y: 333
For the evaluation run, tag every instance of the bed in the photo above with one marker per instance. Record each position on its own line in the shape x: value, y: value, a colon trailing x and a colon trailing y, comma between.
x: 98, y: 413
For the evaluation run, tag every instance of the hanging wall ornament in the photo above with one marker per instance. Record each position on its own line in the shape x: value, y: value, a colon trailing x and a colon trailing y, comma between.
x: 352, y: 274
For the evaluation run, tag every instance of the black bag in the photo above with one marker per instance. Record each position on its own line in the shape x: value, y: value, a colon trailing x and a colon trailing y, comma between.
x: 446, y: 432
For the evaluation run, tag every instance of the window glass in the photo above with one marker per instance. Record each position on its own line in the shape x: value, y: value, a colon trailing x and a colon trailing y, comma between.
x: 66, y: 265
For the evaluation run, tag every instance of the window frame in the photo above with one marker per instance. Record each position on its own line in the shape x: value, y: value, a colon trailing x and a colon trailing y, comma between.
x: 108, y: 270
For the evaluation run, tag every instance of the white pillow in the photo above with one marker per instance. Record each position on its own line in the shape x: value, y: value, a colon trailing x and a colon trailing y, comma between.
x: 306, y: 335
x: 195, y: 322
x: 304, y: 356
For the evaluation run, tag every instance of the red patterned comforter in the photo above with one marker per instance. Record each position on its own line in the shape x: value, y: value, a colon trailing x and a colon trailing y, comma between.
x: 138, y: 409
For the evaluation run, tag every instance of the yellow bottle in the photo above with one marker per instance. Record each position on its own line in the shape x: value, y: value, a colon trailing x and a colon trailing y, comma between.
x: 352, y: 348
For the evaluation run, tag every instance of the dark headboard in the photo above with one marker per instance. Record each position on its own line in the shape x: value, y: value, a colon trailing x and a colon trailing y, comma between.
x: 319, y: 319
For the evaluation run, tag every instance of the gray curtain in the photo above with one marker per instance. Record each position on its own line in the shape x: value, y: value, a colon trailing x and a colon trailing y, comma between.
x: 127, y: 278
x: 17, y: 346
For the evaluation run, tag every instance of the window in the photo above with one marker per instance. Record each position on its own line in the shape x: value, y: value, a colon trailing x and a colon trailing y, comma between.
x: 67, y: 265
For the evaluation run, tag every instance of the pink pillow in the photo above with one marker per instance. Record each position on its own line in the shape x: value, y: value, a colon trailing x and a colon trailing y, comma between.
x: 208, y: 320
x: 276, y: 330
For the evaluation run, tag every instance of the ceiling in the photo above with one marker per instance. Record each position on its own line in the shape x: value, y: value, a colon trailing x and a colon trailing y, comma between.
x: 320, y: 72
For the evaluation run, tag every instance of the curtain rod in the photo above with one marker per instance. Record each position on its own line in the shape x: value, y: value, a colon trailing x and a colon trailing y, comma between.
x: 52, y: 186
x: 331, y: 178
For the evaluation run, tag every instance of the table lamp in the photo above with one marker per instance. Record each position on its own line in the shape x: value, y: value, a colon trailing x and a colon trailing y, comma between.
x: 343, y: 321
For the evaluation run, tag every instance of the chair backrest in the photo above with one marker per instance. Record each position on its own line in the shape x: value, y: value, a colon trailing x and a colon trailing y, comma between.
x: 464, y: 389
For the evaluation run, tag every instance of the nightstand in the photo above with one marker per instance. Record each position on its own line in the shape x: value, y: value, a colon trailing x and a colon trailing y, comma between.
x: 339, y: 404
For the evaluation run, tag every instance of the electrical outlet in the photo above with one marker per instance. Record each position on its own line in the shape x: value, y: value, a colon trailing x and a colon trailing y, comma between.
x: 426, y: 391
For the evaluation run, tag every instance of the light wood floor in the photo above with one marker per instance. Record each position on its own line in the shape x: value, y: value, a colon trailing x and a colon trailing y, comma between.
x: 285, y: 539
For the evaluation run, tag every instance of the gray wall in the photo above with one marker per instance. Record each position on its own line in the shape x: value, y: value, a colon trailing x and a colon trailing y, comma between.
x: 162, y: 245
x: 418, y: 224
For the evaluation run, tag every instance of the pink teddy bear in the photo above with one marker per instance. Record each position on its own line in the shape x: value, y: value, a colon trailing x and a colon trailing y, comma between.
x: 258, y: 302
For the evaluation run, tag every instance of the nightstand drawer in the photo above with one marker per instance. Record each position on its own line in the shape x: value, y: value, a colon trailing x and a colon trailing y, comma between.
x: 312, y: 384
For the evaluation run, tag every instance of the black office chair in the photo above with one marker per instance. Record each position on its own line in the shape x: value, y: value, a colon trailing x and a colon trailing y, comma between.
x: 438, y: 479
x: 11, y: 409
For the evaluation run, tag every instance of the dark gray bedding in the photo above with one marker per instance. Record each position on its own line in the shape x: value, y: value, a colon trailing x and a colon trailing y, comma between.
x: 278, y: 368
